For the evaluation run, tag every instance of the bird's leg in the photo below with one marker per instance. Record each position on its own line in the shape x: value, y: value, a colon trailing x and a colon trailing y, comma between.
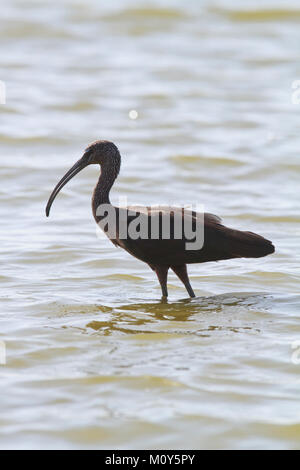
x: 181, y: 272
x: 162, y: 274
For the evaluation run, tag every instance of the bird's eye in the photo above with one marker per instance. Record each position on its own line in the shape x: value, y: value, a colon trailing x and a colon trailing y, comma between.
x: 87, y: 154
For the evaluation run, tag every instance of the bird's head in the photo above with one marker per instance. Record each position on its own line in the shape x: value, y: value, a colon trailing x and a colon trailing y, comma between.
x: 101, y: 152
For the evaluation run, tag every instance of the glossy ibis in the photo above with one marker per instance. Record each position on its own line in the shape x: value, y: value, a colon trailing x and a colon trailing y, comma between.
x: 161, y: 254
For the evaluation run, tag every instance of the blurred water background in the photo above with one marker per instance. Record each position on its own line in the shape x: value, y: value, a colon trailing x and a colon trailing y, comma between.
x: 94, y: 359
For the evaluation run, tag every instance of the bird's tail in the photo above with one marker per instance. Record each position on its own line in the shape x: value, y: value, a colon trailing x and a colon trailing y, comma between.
x: 248, y: 244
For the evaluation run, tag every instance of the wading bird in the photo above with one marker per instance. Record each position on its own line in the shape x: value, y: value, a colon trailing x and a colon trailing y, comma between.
x: 159, y: 252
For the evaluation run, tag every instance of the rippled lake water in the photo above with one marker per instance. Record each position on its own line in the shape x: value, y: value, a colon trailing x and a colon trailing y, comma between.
x: 94, y: 358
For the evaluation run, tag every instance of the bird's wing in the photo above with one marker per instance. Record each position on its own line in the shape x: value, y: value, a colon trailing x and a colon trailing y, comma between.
x: 219, y: 242
x: 166, y: 248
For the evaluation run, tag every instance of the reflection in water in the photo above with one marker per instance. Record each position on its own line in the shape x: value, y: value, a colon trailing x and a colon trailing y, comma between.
x: 130, y: 318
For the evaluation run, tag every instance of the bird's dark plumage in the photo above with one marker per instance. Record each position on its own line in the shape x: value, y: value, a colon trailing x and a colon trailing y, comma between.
x: 220, y: 242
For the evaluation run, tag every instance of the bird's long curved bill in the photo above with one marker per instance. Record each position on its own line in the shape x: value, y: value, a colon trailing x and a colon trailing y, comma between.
x: 80, y: 165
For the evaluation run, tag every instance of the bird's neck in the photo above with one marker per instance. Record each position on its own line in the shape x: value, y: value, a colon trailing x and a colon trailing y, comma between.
x: 102, y: 190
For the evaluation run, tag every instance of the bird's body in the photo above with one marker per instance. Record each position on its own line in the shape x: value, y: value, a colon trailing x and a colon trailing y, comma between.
x: 159, y: 251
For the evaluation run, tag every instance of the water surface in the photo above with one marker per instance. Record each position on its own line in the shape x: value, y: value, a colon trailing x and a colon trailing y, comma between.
x: 94, y: 358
